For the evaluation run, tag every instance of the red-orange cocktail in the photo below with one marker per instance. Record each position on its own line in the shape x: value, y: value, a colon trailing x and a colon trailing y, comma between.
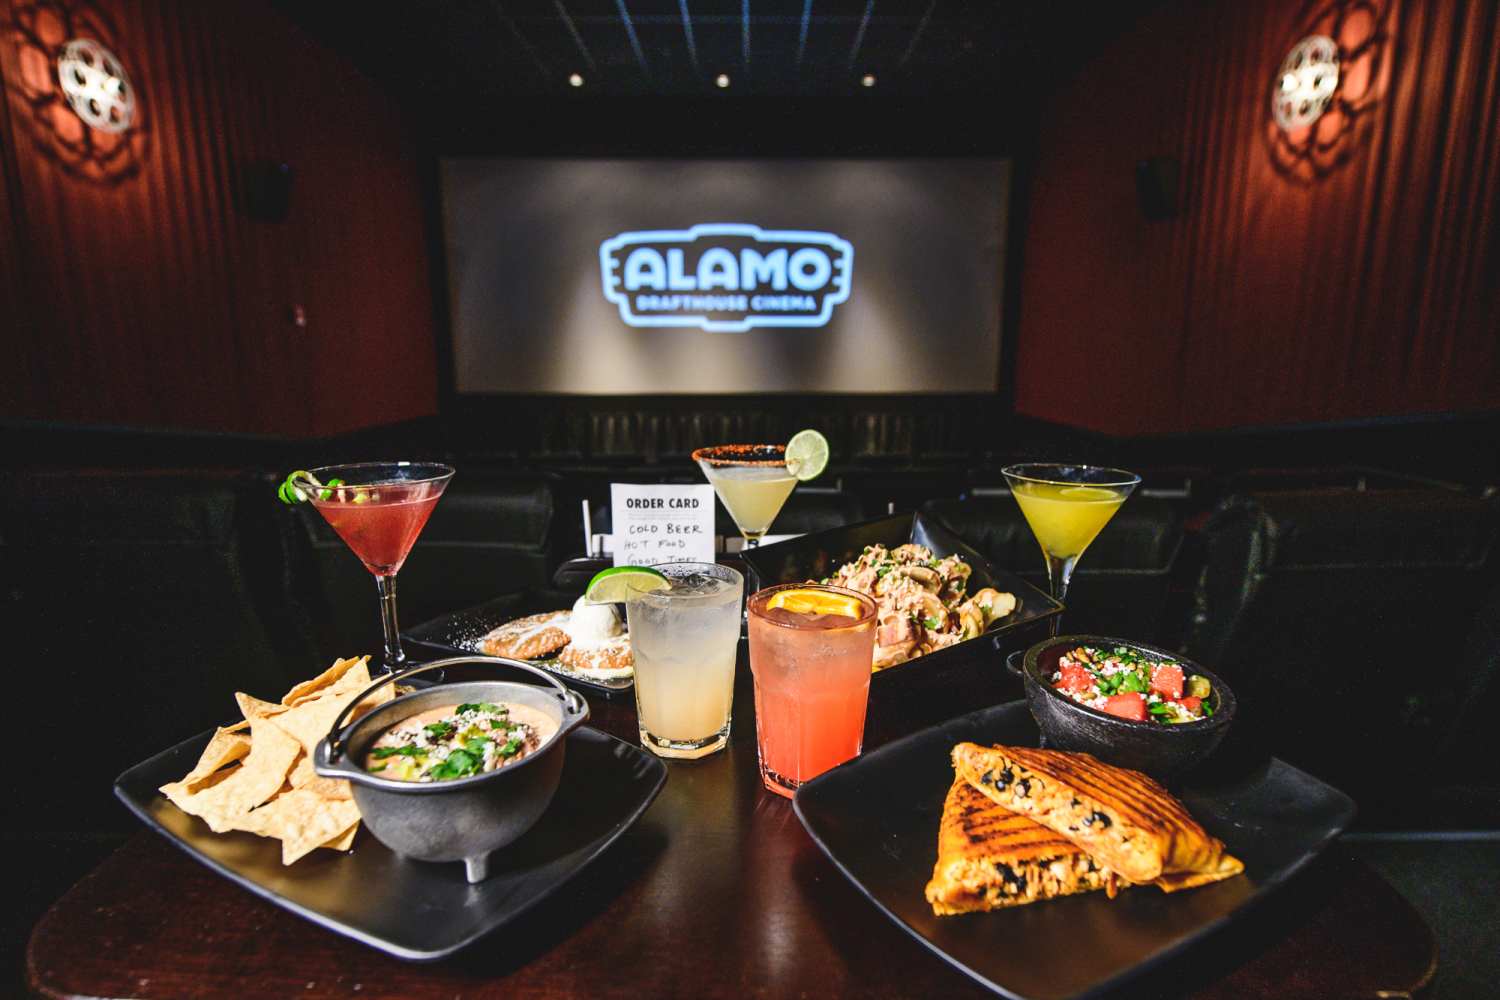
x: 378, y: 509
x: 810, y: 651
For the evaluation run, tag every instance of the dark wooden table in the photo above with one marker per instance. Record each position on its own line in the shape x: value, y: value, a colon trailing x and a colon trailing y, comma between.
x: 717, y: 892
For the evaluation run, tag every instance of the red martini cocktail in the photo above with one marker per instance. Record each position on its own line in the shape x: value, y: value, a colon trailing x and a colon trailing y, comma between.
x: 378, y: 509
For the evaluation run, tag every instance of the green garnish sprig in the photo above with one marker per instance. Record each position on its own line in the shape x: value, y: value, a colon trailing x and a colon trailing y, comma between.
x: 292, y: 493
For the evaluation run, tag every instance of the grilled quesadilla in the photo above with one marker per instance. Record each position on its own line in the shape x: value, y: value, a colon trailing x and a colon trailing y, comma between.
x: 989, y: 858
x: 1126, y: 821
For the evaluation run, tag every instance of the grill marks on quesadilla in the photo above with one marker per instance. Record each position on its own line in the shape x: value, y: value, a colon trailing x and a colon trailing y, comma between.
x: 1120, y: 817
x: 989, y: 858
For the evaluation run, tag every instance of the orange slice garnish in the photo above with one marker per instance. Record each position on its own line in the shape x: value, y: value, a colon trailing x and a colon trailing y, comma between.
x: 816, y: 602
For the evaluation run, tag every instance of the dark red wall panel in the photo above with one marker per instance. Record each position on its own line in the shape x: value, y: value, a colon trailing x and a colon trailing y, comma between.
x: 155, y: 300
x: 1350, y: 270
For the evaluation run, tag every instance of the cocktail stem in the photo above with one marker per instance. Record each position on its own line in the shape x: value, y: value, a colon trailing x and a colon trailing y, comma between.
x: 1059, y: 571
x: 394, y: 657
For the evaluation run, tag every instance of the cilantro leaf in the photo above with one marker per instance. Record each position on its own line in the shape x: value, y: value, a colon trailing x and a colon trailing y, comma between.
x: 440, y: 730
x: 460, y: 763
x: 381, y: 753
x: 482, y: 706
x: 510, y: 749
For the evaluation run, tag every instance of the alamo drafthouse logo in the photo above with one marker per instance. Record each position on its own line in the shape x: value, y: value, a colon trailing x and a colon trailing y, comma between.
x: 726, y: 276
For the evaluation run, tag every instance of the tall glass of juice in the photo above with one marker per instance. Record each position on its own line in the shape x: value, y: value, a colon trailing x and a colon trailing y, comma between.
x: 811, y: 647
x: 684, y: 639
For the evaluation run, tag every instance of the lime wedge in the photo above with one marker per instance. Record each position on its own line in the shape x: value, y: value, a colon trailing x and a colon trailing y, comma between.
x: 1087, y: 493
x: 612, y: 586
x: 807, y: 455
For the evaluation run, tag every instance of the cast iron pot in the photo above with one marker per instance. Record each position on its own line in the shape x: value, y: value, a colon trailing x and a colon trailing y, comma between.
x: 1165, y: 752
x: 463, y: 819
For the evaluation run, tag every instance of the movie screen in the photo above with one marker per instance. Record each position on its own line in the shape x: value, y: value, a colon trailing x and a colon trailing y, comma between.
x: 638, y: 277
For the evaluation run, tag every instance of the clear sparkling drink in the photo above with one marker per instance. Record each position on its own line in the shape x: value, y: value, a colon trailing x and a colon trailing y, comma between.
x: 683, y: 641
x: 812, y: 683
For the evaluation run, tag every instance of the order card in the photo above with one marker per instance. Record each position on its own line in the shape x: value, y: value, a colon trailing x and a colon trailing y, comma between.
x: 665, y: 523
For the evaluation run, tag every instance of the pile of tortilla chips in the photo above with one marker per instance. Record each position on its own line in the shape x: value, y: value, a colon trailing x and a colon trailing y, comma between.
x: 264, y: 782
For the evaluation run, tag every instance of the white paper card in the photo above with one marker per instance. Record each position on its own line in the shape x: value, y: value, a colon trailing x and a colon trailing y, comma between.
x: 664, y: 523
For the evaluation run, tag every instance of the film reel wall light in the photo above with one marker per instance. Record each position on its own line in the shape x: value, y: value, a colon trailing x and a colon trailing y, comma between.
x: 96, y: 86
x: 1305, y: 86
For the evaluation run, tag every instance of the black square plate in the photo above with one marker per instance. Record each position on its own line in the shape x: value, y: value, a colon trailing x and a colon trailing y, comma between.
x: 877, y: 818
x: 370, y: 893
x: 820, y: 554
x: 458, y: 634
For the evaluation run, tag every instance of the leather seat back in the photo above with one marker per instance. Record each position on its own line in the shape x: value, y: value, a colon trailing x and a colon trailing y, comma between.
x: 137, y: 604
x: 1338, y: 618
x: 1121, y: 585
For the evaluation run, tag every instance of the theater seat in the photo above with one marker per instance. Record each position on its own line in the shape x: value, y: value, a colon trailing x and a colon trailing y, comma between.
x: 1341, y: 620
x: 490, y: 534
x: 1122, y: 585
x: 135, y: 605
x: 805, y: 512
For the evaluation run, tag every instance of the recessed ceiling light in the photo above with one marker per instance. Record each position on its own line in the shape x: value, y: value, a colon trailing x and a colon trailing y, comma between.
x: 869, y: 80
x: 576, y: 80
x: 723, y: 80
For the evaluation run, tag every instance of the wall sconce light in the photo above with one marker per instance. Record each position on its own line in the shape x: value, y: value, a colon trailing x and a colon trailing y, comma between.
x: 71, y: 90
x: 95, y: 84
x: 1304, y: 87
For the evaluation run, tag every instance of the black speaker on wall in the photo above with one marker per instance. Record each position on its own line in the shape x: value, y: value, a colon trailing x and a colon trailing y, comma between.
x: 1156, y: 182
x: 268, y: 190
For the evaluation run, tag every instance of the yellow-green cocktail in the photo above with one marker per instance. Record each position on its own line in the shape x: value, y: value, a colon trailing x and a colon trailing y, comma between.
x: 1067, y: 506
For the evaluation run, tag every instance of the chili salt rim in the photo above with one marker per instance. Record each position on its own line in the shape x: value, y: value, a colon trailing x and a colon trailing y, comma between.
x: 724, y: 455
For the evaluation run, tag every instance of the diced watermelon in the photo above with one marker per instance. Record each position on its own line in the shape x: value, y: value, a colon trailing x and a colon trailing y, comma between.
x: 1127, y: 706
x: 1190, y: 703
x: 1075, y: 678
x: 1166, y: 680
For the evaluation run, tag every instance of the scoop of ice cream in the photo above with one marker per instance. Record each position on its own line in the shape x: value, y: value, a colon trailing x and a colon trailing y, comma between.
x: 592, y: 624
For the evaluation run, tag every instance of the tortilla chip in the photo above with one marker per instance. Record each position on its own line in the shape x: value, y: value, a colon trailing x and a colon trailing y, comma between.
x: 334, y: 676
x: 263, y: 781
x: 179, y: 792
x: 344, y: 841
x: 226, y: 747
x: 265, y: 821
x: 253, y: 708
x: 303, y: 776
x: 310, y: 721
x: 258, y: 778
x: 309, y: 821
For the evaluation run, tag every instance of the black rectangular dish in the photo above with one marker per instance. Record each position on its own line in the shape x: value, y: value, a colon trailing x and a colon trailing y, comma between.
x: 370, y: 893
x: 877, y: 818
x: 820, y: 554
x: 459, y: 634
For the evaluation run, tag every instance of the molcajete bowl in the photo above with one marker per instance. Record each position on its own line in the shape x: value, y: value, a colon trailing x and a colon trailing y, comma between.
x: 1165, y: 751
x: 461, y: 819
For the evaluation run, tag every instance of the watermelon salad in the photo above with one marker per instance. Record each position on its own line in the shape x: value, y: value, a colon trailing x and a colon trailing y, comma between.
x: 1122, y: 682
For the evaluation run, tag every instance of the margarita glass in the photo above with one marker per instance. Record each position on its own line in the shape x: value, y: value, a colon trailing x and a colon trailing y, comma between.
x: 378, y: 509
x: 752, y: 481
x: 1066, y: 506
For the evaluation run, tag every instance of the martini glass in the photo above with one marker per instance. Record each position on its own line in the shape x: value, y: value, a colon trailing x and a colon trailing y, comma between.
x: 1066, y: 506
x: 752, y: 481
x: 378, y: 509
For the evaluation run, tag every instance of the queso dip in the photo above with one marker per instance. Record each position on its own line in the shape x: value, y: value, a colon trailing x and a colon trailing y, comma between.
x: 458, y: 741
